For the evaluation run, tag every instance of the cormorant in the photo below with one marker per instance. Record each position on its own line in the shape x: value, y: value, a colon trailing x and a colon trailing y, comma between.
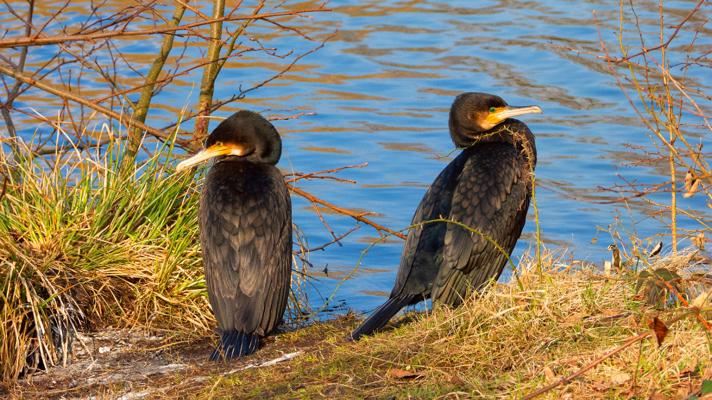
x: 245, y: 231
x: 487, y: 187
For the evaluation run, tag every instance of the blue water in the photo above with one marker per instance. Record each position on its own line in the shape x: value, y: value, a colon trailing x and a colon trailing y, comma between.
x: 380, y: 90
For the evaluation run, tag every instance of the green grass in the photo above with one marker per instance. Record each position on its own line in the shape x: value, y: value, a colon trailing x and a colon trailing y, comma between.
x: 82, y: 244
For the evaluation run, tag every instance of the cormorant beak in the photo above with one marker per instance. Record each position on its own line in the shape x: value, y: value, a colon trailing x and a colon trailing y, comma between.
x: 216, y: 150
x: 499, y: 114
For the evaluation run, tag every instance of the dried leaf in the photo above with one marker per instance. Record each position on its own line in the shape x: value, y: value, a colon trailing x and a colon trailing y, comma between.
x: 455, y: 380
x: 575, y: 318
x: 656, y: 250
x: 689, y: 372
x: 617, y: 377
x: 693, y: 189
x: 699, y: 241
x: 688, y: 179
x: 612, y: 312
x: 549, y: 374
x: 701, y: 300
x: 397, y: 373
x: 601, y: 386
x: 659, y: 328
x: 658, y: 396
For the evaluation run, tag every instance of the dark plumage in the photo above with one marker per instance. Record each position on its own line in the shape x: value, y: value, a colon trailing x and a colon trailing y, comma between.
x: 486, y: 187
x: 245, y: 231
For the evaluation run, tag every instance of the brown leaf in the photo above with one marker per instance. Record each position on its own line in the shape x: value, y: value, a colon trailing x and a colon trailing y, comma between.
x: 689, y: 372
x: 693, y: 188
x: 455, y: 380
x: 397, y: 373
x: 575, y: 318
x: 688, y: 179
x: 611, y: 312
x: 659, y: 328
x: 658, y: 396
x: 600, y: 386
x: 549, y: 374
x: 699, y: 241
x: 617, y: 377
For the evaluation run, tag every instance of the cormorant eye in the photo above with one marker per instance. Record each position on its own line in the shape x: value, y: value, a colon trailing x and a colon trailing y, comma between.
x: 492, y: 109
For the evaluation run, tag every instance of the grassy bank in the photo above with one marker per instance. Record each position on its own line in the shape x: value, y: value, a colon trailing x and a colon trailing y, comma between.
x: 507, y: 343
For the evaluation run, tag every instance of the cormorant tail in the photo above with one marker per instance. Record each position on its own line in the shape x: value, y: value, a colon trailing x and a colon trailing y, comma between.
x: 235, y: 344
x: 381, y: 316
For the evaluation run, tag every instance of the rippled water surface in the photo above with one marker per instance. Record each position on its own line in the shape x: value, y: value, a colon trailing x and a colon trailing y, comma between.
x: 380, y: 90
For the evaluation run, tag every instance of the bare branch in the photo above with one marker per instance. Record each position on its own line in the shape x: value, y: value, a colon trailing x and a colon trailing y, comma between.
x: 358, y: 216
x: 144, y: 101
x: 43, y: 41
x: 69, y: 96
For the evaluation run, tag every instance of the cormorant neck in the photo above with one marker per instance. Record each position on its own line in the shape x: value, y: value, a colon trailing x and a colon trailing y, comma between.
x: 510, y: 131
x: 245, y: 159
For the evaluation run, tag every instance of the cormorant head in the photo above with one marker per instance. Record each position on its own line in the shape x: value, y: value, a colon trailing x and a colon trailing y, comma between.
x: 245, y: 135
x: 473, y: 114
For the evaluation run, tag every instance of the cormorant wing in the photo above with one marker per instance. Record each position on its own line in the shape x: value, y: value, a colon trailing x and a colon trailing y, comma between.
x: 492, y: 198
x: 421, y: 253
x: 248, y: 253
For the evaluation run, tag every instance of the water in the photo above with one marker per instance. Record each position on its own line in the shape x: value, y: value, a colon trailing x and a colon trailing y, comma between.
x: 380, y: 90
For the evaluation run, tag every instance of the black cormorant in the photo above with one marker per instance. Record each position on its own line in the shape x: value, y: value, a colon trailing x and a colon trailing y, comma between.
x: 486, y: 187
x: 245, y: 231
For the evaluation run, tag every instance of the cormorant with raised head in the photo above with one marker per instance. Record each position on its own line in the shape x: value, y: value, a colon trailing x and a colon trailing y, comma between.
x: 245, y: 231
x: 487, y: 187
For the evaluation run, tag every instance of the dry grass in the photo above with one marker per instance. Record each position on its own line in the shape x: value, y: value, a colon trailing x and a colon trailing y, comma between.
x: 83, y: 246
x: 506, y: 343
x: 86, y: 245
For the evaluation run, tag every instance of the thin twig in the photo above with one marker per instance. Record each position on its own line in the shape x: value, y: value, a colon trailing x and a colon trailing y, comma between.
x: 568, y: 379
x: 43, y: 41
x: 319, y: 174
x: 684, y: 302
x: 69, y: 96
x: 664, y: 44
x: 594, y: 363
x: 327, y: 244
x: 355, y: 215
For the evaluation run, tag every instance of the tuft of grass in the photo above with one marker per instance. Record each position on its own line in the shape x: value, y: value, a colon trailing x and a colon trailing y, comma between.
x: 84, y: 246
